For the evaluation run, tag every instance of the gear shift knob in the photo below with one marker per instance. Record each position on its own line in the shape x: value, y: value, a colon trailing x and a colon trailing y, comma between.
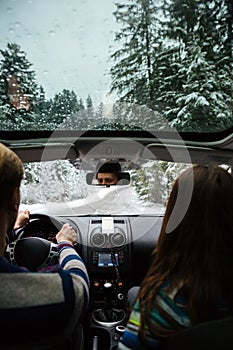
x: 107, y: 285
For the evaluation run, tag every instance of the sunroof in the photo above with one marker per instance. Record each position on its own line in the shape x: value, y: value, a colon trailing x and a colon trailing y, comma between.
x: 105, y: 65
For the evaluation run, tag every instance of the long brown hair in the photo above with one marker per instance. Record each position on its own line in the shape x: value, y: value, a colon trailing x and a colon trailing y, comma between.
x: 11, y: 174
x: 197, y: 250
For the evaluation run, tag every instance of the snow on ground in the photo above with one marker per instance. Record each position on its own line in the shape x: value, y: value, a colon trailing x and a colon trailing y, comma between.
x: 117, y: 200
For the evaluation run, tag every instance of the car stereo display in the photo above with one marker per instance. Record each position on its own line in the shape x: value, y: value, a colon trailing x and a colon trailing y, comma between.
x: 105, y: 260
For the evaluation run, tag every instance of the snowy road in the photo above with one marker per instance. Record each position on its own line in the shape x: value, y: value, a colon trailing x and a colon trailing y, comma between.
x: 117, y: 200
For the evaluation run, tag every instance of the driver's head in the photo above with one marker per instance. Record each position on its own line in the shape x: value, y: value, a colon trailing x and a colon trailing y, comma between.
x: 108, y: 173
x: 11, y: 174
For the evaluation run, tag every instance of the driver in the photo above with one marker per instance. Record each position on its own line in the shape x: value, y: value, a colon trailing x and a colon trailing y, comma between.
x: 109, y: 173
x: 50, y: 303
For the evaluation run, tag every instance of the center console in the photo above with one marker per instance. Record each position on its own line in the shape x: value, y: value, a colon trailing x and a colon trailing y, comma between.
x: 108, y: 266
x: 109, y: 260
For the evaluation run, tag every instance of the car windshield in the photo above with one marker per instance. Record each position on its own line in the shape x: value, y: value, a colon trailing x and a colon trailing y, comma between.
x: 59, y: 187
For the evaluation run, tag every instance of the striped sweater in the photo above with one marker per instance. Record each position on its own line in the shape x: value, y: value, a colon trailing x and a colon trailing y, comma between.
x: 49, y: 302
x: 171, y: 303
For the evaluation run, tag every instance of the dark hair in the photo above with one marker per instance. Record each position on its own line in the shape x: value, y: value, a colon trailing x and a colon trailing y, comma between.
x: 109, y: 167
x: 197, y: 253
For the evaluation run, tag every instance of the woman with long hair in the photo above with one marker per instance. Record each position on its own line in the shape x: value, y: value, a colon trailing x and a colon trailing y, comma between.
x: 190, y: 277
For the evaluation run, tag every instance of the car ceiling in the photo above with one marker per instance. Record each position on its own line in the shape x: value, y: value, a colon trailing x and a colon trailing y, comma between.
x: 128, y: 145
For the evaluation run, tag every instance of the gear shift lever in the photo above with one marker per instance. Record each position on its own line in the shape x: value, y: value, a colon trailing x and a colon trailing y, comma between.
x: 108, y: 293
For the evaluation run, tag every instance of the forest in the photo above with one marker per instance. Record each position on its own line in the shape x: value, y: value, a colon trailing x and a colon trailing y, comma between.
x: 172, y: 69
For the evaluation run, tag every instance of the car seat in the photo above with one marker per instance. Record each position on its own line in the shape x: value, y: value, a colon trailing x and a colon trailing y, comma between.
x: 214, y: 335
x: 60, y: 341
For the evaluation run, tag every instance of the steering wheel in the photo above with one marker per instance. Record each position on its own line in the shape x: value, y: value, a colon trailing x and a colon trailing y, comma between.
x: 35, y: 245
x: 42, y: 226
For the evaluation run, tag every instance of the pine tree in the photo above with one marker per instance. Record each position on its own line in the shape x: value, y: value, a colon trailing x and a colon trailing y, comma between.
x: 42, y: 108
x: 140, y: 182
x: 17, y: 85
x: 80, y: 104
x: 195, y: 89
x: 188, y: 77
x: 63, y: 105
x: 202, y: 105
x: 192, y: 76
x: 89, y: 102
x: 81, y: 118
x: 132, y: 73
x: 90, y: 115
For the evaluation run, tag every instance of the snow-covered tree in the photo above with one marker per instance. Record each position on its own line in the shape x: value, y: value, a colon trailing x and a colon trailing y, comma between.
x: 89, y: 102
x: 42, y: 109
x: 90, y: 113
x: 18, y: 87
x: 194, y: 81
x: 80, y: 104
x: 63, y: 105
x: 65, y: 183
x: 154, y: 179
x: 189, y: 76
x: 140, y: 182
x: 132, y: 73
x: 203, y: 104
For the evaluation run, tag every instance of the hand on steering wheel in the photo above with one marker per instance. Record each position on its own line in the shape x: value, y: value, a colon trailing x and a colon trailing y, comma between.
x: 22, y: 218
x: 67, y: 233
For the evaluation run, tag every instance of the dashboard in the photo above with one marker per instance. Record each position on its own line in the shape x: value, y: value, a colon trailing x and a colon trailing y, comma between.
x: 115, y: 249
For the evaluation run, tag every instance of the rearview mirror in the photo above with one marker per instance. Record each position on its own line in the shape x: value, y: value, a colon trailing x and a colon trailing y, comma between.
x: 123, y: 179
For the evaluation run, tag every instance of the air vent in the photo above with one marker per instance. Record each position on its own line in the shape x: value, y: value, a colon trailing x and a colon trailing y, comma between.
x: 96, y: 222
x: 117, y: 239
x: 98, y: 240
x: 99, y: 221
x: 118, y: 221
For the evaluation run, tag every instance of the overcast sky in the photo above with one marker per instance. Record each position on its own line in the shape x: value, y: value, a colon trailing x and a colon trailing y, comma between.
x: 67, y: 41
